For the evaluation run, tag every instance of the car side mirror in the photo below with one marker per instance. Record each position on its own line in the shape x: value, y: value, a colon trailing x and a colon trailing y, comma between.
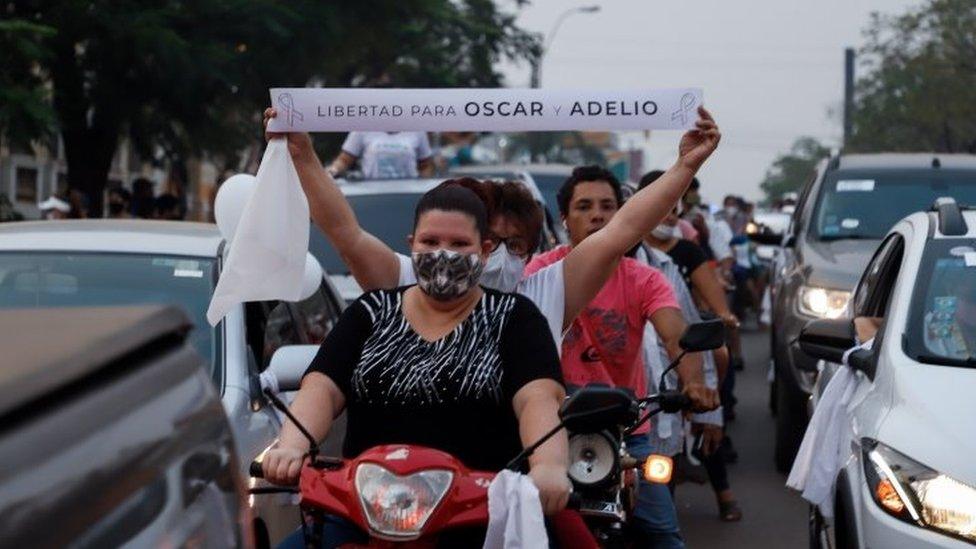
x: 597, y: 407
x: 289, y: 363
x: 703, y: 336
x: 828, y: 338
x: 863, y: 361
x: 767, y: 238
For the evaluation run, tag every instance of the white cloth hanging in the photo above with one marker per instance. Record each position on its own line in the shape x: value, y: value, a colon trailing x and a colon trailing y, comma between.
x: 268, y: 253
x: 826, y: 442
x: 514, y: 513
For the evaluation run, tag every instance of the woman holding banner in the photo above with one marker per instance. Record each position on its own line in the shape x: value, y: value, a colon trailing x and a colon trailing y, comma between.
x: 561, y: 290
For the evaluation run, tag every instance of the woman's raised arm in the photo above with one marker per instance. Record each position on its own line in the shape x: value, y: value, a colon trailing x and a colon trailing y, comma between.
x: 372, y: 263
x: 587, y: 268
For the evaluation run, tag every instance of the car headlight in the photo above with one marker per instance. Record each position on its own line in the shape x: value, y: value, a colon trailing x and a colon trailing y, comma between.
x: 592, y: 458
x: 398, y: 507
x: 823, y: 303
x: 918, y: 494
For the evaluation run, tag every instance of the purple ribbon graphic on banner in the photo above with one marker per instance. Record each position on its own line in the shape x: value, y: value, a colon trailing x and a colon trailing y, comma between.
x: 687, y: 105
x: 287, y: 103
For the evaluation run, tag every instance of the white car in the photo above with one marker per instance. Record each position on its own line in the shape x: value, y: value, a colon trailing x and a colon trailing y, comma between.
x: 909, y: 479
x: 87, y: 263
x: 385, y: 208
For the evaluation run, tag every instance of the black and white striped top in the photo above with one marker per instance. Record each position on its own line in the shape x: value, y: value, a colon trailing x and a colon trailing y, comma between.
x: 454, y: 394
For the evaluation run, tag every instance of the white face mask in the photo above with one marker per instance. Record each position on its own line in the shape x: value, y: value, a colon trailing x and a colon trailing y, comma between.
x: 731, y: 210
x: 503, y: 270
x: 666, y: 232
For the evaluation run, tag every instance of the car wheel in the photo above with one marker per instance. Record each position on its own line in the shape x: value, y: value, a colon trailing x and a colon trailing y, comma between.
x: 817, y: 528
x: 791, y: 421
x: 845, y: 525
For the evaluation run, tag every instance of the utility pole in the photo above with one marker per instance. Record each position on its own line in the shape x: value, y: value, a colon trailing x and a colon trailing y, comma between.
x: 536, y: 78
x: 848, y: 94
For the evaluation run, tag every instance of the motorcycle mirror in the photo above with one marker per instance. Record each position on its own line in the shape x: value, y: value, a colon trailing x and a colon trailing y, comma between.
x: 591, y: 409
x: 703, y: 336
x: 595, y: 408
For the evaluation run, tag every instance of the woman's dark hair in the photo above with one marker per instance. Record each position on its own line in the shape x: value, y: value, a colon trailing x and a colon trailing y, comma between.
x: 587, y: 174
x: 450, y: 196
x: 513, y: 200
x: 510, y: 199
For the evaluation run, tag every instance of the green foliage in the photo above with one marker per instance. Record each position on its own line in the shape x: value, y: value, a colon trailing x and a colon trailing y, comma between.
x: 183, y: 79
x: 790, y: 171
x: 920, y: 90
x: 25, y: 111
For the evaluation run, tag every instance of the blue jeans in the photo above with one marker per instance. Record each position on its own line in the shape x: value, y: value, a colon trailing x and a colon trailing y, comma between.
x: 655, y: 519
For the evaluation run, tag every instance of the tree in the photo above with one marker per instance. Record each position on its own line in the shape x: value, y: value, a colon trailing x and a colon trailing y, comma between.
x: 183, y: 79
x: 790, y: 171
x: 25, y: 111
x: 920, y: 90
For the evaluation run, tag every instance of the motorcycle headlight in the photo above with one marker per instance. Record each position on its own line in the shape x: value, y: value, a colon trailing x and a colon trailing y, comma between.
x: 823, y: 303
x: 918, y: 494
x: 592, y: 458
x: 398, y: 507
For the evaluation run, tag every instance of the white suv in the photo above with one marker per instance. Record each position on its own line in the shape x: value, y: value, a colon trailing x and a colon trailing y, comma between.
x: 910, y: 477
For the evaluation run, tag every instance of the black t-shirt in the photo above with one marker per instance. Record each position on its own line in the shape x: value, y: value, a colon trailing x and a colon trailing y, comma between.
x: 454, y: 394
x: 688, y: 256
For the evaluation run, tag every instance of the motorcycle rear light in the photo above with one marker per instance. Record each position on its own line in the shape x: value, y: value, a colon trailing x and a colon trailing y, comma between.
x: 658, y: 469
x: 398, y: 507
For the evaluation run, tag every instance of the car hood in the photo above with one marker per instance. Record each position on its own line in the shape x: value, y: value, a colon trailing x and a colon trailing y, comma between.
x: 931, y: 420
x: 347, y: 287
x: 836, y: 264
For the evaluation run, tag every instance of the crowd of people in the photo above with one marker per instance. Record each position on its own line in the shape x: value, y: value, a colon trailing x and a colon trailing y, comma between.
x: 611, y: 304
x: 607, y: 307
x: 141, y: 202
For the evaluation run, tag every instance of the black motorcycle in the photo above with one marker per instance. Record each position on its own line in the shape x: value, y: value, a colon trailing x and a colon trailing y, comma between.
x: 599, y: 418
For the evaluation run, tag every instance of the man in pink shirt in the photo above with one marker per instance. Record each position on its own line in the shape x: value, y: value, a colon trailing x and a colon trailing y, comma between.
x: 604, y: 342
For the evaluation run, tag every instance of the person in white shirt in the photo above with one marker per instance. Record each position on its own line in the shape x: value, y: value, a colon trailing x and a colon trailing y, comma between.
x: 386, y: 155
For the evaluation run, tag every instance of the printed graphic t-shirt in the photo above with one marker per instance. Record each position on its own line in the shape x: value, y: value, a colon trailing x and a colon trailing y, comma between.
x: 603, y: 344
x: 388, y: 155
x: 454, y: 394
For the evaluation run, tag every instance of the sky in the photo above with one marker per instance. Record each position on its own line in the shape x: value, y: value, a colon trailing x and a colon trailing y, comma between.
x: 771, y: 70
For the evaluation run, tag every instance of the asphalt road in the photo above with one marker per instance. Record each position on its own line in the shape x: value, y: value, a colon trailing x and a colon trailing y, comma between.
x: 773, y: 516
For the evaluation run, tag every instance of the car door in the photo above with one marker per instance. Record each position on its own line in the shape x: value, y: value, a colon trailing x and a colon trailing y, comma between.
x: 872, y: 294
x: 872, y: 298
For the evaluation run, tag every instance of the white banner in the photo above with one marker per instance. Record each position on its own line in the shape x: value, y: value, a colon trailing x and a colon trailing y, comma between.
x: 481, y: 109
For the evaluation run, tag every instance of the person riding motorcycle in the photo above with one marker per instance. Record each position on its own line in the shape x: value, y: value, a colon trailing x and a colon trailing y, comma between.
x: 444, y: 363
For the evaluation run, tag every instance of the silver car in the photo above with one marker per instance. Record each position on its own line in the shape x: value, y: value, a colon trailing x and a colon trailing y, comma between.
x: 120, y: 262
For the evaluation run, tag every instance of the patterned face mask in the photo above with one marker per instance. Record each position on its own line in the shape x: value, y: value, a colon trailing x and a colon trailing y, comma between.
x: 445, y: 275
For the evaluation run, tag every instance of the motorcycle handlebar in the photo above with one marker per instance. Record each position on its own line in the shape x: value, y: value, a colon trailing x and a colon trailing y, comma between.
x: 673, y: 401
x: 256, y: 470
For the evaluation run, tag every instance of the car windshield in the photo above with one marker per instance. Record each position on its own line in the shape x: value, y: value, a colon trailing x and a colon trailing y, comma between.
x: 849, y: 199
x: 389, y: 217
x: 942, y: 322
x: 63, y: 279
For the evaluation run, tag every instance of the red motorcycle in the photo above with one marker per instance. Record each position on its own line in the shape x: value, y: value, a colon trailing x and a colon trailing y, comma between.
x: 405, y: 495
x: 409, y: 496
